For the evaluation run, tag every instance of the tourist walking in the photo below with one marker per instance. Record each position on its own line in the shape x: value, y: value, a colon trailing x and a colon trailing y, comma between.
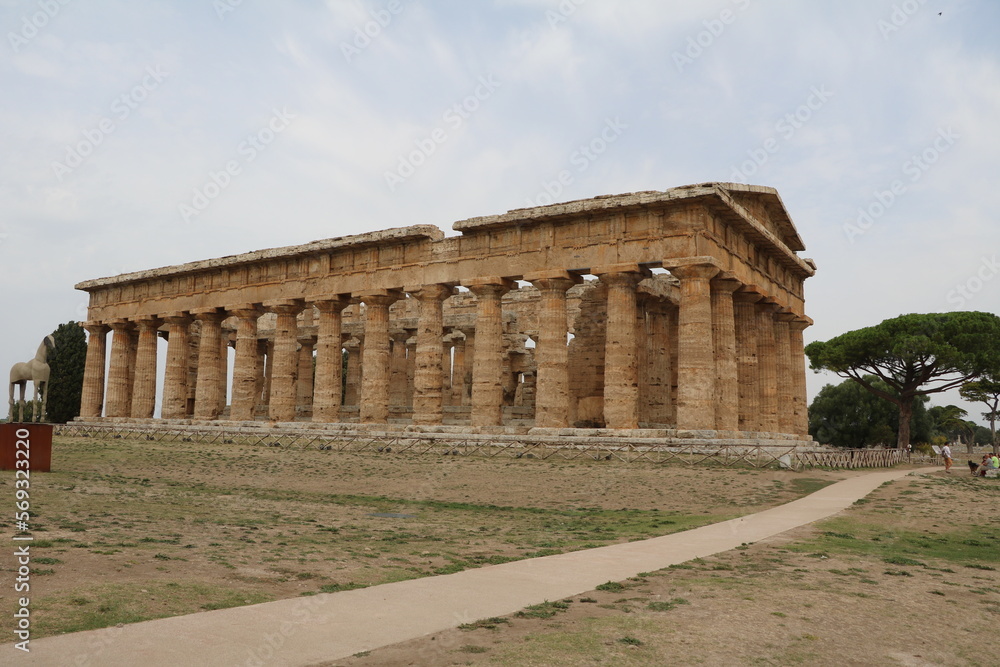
x: 946, y: 453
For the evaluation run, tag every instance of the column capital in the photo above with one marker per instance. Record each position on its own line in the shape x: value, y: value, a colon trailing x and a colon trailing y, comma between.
x: 178, y: 317
x: 700, y: 271
x: 768, y: 305
x: 209, y: 314
x: 554, y: 281
x: 330, y: 303
x: 724, y: 283
x: 431, y: 291
x: 245, y: 310
x: 621, y: 268
x: 121, y: 324
x: 555, y: 274
x: 380, y: 297
x: 95, y: 328
x: 148, y: 322
x: 786, y: 316
x: 489, y: 284
x: 285, y: 306
x: 745, y: 295
x: 680, y: 263
x: 800, y: 322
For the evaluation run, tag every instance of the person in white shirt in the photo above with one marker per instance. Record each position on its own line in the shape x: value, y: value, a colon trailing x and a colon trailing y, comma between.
x: 946, y: 453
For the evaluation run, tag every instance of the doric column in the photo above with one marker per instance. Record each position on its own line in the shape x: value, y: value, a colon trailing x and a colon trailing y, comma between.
x: 374, y: 408
x: 144, y: 389
x: 767, y: 359
x: 285, y: 365
x: 245, y: 365
x: 353, y: 385
x: 224, y: 334
x: 727, y: 408
x: 206, y: 396
x: 397, y: 367
x: 783, y: 366
x: 696, y: 355
x: 747, y: 367
x: 119, y: 394
x: 133, y: 353
x: 799, y: 399
x: 657, y: 376
x: 551, y: 353
x: 487, y: 364
x: 265, y: 398
x: 260, y: 397
x: 621, y: 370
x: 329, y: 359
x: 411, y: 370
x: 449, y: 343
x: 175, y: 375
x: 468, y: 365
x: 92, y: 398
x: 194, y: 347
x: 458, y: 384
x: 428, y: 373
x: 304, y: 381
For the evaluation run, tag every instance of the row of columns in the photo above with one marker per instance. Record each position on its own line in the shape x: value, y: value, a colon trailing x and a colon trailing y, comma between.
x: 740, y: 360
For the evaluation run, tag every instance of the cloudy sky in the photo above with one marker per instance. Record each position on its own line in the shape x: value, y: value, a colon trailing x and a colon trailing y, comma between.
x: 137, y: 135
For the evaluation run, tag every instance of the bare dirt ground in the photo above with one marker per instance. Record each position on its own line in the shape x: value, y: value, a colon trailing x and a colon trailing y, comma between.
x: 127, y: 531
x: 905, y: 577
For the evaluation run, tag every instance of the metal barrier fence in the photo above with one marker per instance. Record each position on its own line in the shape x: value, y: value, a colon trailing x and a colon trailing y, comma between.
x: 705, y: 453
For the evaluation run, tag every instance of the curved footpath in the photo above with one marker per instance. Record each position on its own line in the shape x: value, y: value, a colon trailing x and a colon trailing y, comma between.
x: 308, y: 630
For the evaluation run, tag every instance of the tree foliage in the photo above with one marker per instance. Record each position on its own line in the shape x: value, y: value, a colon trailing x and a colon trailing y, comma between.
x: 848, y: 415
x: 986, y: 390
x: 915, y: 355
x: 66, y: 364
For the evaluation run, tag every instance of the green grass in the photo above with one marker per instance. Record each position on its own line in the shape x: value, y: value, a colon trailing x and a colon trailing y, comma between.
x: 979, y: 545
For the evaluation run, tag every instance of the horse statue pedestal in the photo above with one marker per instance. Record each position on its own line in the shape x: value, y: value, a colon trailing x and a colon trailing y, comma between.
x: 26, y: 447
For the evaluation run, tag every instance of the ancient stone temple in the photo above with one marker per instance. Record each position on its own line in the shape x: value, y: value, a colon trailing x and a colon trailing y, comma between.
x: 680, y: 309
